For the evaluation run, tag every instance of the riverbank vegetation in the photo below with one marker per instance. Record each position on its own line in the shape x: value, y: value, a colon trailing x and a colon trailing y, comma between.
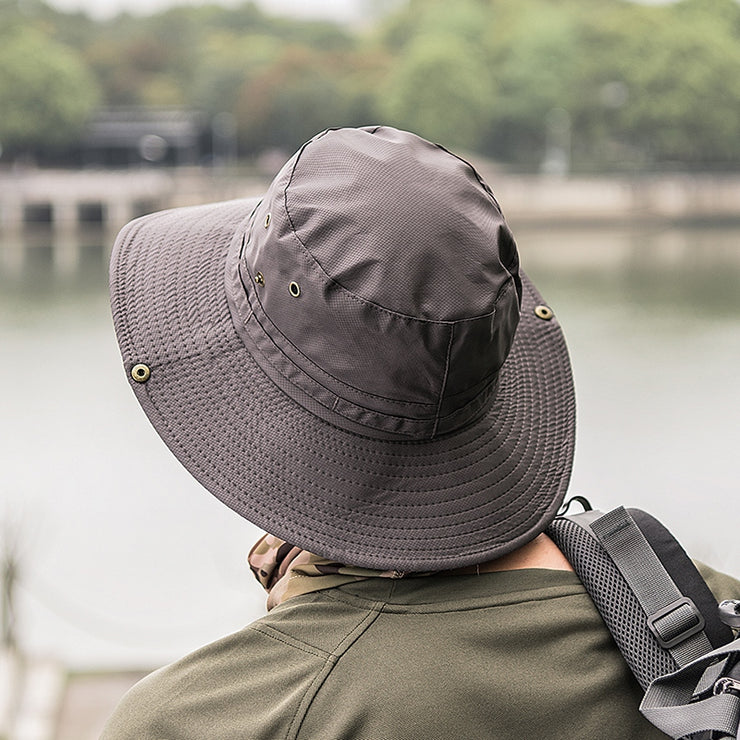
x: 590, y: 85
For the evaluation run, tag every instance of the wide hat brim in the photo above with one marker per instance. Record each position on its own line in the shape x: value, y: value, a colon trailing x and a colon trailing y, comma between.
x: 459, y: 499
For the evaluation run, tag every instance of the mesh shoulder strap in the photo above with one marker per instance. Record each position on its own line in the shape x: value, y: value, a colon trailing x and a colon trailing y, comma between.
x: 660, y: 617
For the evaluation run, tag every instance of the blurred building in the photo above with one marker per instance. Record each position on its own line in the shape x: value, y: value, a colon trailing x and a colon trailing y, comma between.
x: 127, y: 137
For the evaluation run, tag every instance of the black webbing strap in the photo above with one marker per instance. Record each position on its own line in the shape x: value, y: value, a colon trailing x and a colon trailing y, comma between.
x: 684, y: 574
x: 673, y: 618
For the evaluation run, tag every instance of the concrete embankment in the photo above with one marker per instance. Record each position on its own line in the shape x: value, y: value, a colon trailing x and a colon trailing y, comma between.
x: 66, y: 196
x: 64, y: 202
x: 673, y: 198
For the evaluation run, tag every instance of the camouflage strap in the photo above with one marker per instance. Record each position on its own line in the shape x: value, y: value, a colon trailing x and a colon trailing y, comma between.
x: 286, y: 571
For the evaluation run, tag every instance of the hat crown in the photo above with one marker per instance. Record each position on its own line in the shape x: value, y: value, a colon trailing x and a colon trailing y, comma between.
x: 388, y: 282
x: 400, y: 222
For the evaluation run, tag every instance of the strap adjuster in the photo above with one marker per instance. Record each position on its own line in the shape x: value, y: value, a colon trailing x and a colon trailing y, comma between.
x: 676, y: 622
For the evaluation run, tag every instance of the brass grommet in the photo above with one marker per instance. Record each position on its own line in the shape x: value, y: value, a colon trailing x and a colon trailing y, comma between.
x: 267, y: 219
x: 543, y: 312
x: 295, y: 289
x: 140, y: 373
x: 259, y: 278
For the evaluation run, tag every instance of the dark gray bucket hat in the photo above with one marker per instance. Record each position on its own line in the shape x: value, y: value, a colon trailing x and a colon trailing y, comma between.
x: 355, y: 362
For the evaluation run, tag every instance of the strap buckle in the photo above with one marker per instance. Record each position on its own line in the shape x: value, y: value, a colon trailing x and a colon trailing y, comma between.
x: 676, y: 622
x: 729, y: 613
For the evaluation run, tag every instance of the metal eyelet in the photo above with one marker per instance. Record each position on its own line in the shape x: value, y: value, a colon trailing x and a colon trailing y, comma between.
x: 259, y: 278
x: 543, y: 312
x: 140, y: 372
x: 295, y: 289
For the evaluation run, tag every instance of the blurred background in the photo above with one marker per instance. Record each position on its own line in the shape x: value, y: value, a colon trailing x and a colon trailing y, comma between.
x: 609, y: 131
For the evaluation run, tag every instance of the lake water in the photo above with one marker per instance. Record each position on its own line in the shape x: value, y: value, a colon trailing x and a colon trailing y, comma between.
x: 127, y: 562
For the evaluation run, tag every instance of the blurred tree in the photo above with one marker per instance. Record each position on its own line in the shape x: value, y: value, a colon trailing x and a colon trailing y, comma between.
x: 228, y: 61
x: 146, y: 61
x: 665, y: 85
x: 46, y: 91
x: 289, y: 101
x: 612, y: 84
x: 440, y: 90
x: 537, y: 55
x: 441, y: 84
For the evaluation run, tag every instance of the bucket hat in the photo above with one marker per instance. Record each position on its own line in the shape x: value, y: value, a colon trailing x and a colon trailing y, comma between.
x: 355, y: 361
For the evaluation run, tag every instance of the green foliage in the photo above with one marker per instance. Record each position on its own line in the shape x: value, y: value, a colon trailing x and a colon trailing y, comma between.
x: 441, y: 91
x: 440, y: 84
x: 304, y: 91
x: 613, y: 84
x: 536, y: 68
x: 46, y: 92
x: 228, y: 61
x: 665, y: 85
x: 686, y: 90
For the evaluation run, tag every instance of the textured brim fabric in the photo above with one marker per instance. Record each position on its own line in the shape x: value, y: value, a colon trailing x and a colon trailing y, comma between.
x: 455, y: 500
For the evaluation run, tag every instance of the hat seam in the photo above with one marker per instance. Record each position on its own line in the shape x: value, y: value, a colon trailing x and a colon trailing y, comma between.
x: 478, y: 177
x: 425, y: 421
x: 555, y: 458
x: 320, y: 389
x: 400, y: 476
x: 312, y: 483
x: 126, y: 236
x: 314, y: 366
x: 354, y: 296
x: 380, y: 533
x: 337, y: 505
x: 481, y: 384
x: 408, y: 507
x: 359, y: 435
x: 444, y: 381
x: 408, y: 546
x: 368, y: 394
x: 229, y: 350
x: 311, y: 381
x: 376, y: 306
x: 405, y: 442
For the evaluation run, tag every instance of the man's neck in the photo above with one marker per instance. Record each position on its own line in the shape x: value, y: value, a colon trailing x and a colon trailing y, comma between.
x: 541, y: 552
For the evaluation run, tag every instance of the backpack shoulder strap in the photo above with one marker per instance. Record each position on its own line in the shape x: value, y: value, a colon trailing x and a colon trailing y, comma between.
x: 655, y: 603
x: 663, y: 617
x: 684, y: 573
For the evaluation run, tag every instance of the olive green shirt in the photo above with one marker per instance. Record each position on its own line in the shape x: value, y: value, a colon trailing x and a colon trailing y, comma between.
x: 515, y: 654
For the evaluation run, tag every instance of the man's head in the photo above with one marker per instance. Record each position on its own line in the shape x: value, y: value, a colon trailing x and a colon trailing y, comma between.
x: 355, y: 362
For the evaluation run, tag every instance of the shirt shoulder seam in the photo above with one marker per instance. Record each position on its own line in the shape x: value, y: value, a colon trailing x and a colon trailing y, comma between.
x: 276, y: 634
x: 341, y: 647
